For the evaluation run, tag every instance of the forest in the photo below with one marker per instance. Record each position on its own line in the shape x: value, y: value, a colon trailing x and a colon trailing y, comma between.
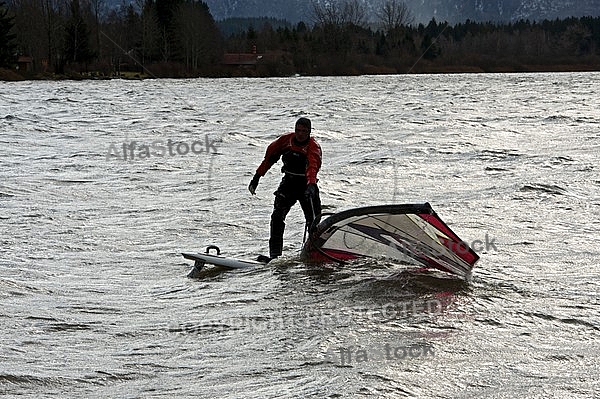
x: 49, y: 39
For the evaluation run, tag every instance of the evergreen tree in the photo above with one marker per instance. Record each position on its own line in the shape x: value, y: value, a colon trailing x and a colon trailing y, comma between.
x: 165, y: 15
x: 430, y: 48
x: 198, y: 38
x: 77, y: 43
x: 7, y: 44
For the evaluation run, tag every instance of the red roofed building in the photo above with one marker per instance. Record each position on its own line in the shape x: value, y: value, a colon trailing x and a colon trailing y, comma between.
x: 25, y: 63
x: 242, y: 59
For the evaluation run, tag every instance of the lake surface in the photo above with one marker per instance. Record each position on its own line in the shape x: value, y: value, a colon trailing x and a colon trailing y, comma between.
x: 94, y: 294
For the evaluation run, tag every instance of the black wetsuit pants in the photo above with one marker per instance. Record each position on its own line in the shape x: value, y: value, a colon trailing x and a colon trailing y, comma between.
x: 291, y: 189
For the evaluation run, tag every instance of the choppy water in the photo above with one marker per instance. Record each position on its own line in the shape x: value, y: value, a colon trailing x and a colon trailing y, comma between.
x: 94, y: 294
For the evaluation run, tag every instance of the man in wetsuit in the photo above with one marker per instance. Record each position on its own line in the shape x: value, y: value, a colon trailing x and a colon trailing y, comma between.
x: 301, y: 156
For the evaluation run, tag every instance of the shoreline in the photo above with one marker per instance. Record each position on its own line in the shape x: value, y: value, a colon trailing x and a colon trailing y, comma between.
x: 7, y: 75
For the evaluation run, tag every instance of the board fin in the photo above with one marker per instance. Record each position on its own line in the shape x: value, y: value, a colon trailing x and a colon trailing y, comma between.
x: 197, y: 269
x: 263, y: 259
x: 199, y: 264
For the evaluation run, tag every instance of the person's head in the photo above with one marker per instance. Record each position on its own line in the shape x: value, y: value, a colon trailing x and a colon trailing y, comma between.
x: 302, y: 129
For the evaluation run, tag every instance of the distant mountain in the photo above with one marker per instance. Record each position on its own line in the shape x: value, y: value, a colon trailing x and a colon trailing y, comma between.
x: 291, y: 10
x: 501, y: 10
x: 423, y: 10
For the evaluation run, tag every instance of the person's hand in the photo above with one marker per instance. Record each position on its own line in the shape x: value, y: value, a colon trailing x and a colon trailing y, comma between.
x: 311, y: 191
x: 253, y: 184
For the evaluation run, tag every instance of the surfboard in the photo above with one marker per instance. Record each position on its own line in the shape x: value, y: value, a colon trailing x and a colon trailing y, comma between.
x: 200, y: 260
x: 219, y: 260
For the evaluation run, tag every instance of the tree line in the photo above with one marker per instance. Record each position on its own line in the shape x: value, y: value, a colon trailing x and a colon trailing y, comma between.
x: 180, y: 38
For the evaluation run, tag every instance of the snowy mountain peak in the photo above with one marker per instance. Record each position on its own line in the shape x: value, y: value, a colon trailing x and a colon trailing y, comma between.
x: 448, y: 10
x: 452, y: 11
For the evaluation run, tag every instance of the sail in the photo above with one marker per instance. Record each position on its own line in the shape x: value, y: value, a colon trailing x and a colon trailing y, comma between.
x: 409, y: 233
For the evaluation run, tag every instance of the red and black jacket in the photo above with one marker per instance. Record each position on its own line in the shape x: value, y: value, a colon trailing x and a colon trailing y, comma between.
x: 298, y: 159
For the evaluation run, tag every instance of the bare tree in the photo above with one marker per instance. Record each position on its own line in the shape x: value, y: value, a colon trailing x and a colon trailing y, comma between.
x: 97, y: 8
x: 40, y: 29
x: 149, y: 30
x: 394, y: 14
x: 197, y: 35
x: 354, y: 13
x: 339, y: 13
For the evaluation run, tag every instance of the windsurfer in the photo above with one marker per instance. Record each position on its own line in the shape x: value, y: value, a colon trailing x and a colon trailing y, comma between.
x: 301, y: 156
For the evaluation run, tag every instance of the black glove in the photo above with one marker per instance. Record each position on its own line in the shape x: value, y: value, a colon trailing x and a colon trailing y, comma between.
x: 253, y: 184
x: 311, y: 191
